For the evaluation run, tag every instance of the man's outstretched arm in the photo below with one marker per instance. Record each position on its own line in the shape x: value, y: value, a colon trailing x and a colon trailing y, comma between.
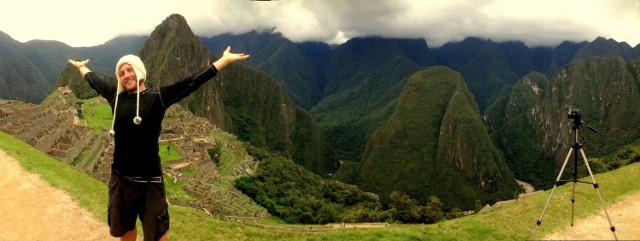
x: 183, y: 88
x: 103, y: 88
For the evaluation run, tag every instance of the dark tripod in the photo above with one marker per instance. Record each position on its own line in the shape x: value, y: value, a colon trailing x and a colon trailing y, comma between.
x: 576, y: 148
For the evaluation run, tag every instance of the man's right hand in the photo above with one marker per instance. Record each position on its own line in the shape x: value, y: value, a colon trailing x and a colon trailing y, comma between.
x: 81, y: 66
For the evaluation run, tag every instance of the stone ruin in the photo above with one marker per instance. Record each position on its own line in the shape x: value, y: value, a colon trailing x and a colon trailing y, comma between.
x: 55, y: 128
x: 192, y: 136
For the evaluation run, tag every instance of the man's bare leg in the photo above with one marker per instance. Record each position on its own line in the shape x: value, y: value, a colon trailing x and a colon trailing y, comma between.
x: 165, y: 237
x: 130, y: 235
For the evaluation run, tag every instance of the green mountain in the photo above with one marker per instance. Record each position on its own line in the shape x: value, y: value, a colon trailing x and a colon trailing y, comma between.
x: 513, y: 131
x: 364, y: 78
x: 240, y: 100
x: 605, y: 90
x: 487, y: 67
x: 28, y: 71
x: 435, y: 143
x: 20, y: 77
x: 534, y: 130
x: 280, y: 58
x: 601, y: 47
x: 561, y: 55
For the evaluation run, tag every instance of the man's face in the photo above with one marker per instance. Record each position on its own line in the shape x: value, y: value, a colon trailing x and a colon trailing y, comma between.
x: 128, y: 77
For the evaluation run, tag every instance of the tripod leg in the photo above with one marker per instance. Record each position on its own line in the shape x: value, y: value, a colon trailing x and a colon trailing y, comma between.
x: 595, y: 185
x: 576, y: 147
x: 573, y: 199
x: 555, y: 185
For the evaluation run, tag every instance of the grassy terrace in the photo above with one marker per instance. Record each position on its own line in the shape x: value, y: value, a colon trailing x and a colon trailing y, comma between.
x: 97, y: 113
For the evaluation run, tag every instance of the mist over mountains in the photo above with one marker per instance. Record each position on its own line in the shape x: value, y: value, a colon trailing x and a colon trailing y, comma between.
x: 377, y: 112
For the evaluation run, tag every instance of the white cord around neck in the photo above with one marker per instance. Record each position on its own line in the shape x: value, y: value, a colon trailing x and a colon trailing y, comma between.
x: 137, y: 120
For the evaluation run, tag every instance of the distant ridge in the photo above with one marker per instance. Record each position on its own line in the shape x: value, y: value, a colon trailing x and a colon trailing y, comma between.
x: 28, y: 71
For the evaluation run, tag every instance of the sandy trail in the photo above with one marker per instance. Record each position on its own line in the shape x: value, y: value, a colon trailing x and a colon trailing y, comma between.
x: 625, y: 216
x: 30, y: 209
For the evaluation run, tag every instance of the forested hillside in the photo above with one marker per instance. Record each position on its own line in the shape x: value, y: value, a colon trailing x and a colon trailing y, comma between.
x: 435, y: 144
x: 532, y: 126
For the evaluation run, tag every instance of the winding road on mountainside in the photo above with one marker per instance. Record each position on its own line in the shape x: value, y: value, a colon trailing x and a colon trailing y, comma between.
x: 526, y: 186
x: 33, y: 210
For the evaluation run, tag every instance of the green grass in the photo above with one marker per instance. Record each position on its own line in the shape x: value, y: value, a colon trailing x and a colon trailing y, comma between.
x: 171, y: 154
x: 174, y: 189
x: 510, y: 222
x: 230, y: 151
x: 97, y: 114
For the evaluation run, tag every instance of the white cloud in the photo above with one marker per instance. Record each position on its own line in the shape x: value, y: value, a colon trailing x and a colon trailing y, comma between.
x: 81, y: 23
x: 535, y: 22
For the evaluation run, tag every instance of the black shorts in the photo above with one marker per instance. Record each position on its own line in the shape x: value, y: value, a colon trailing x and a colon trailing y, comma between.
x: 129, y: 199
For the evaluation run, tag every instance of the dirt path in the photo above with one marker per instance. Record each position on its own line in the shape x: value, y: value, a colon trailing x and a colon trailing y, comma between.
x: 625, y: 216
x: 30, y: 209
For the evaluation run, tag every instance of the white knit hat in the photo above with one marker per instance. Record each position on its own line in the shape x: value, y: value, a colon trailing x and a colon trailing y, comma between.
x: 138, y: 67
x: 141, y: 74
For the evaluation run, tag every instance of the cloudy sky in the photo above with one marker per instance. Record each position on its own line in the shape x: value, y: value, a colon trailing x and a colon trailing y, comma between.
x: 534, y: 22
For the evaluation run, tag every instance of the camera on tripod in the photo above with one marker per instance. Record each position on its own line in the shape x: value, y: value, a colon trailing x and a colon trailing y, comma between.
x: 577, y: 149
x: 576, y: 116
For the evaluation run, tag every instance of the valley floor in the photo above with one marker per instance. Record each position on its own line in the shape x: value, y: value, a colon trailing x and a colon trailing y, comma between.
x: 34, y: 210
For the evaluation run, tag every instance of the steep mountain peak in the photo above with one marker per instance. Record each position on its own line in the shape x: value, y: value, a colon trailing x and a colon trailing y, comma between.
x: 173, y: 51
x: 601, y: 47
x: 175, y: 20
x: 435, y: 144
x: 173, y: 27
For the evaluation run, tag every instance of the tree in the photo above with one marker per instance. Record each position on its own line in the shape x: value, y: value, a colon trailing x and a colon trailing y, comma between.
x: 433, y: 213
x: 408, y: 209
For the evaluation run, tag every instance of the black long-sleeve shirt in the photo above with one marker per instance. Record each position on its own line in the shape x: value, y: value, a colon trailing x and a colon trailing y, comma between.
x: 136, y: 146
